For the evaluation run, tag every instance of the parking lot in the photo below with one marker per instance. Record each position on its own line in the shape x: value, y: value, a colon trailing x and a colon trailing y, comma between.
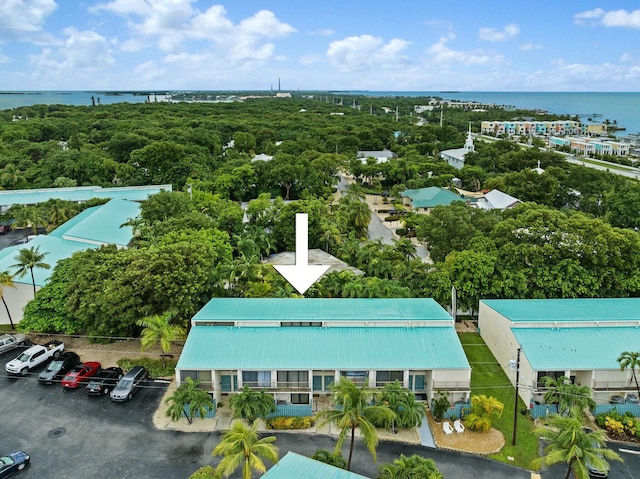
x: 72, y: 436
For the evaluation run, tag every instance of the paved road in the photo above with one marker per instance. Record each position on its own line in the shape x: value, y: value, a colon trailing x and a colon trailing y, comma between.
x: 71, y: 436
x: 377, y: 228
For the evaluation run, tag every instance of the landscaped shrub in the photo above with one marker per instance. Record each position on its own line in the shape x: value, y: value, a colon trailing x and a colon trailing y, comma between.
x: 440, y: 406
x: 153, y: 365
x: 284, y: 423
x: 620, y: 426
x: 205, y: 472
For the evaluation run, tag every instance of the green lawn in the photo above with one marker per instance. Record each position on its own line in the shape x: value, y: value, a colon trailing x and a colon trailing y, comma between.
x: 488, y: 377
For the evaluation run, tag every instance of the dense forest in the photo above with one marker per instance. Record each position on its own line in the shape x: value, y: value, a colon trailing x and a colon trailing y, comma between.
x: 575, y: 235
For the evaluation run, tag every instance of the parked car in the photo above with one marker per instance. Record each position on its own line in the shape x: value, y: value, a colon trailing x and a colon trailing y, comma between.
x: 58, y: 368
x: 11, y: 341
x: 4, y: 229
x: 616, y: 400
x: 12, y: 463
x: 104, y: 381
x: 35, y: 356
x: 594, y: 472
x: 129, y: 384
x: 632, y: 399
x: 80, y: 374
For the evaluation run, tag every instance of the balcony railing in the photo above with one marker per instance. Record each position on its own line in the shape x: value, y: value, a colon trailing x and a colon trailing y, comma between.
x: 279, y: 385
x: 451, y: 386
x: 612, y: 386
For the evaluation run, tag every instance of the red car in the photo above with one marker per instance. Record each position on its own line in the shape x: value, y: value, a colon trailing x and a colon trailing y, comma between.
x: 80, y: 374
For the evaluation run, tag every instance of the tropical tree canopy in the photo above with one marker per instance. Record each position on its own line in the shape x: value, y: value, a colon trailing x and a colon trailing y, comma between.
x: 242, y: 446
x: 251, y: 405
x: 567, y: 441
x: 631, y: 360
x: 355, y: 410
x: 412, y: 467
x: 188, y: 401
x: 483, y: 411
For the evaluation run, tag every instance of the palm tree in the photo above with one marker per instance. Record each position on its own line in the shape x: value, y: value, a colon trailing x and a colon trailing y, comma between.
x: 483, y: 410
x: 57, y: 212
x: 565, y: 394
x: 413, y: 467
x: 358, y: 217
x: 630, y: 360
x: 569, y: 442
x: 26, y: 217
x: 188, y: 400
x: 6, y: 281
x: 251, y: 405
x: 354, y: 410
x: 405, y: 247
x: 158, y: 329
x: 331, y: 458
x: 242, y: 445
x: 402, y: 402
x: 27, y: 259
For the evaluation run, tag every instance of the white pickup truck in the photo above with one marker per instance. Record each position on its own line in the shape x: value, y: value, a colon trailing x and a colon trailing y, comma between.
x: 35, y: 356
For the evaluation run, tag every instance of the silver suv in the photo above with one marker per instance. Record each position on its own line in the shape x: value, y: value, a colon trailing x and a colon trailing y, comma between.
x: 129, y: 384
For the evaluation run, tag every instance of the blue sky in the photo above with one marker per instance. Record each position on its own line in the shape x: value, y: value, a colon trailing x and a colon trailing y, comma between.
x: 401, y: 45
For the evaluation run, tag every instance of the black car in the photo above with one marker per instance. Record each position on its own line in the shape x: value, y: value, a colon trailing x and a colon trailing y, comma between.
x: 59, y: 367
x: 104, y: 381
x: 13, y: 463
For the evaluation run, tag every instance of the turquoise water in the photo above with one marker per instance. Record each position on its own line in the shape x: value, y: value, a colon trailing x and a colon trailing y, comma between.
x: 622, y: 107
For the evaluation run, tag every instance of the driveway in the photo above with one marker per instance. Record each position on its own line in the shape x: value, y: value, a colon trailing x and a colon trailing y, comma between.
x: 72, y: 436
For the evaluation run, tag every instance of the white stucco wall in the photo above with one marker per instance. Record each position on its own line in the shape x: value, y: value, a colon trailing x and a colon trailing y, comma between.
x: 16, y: 299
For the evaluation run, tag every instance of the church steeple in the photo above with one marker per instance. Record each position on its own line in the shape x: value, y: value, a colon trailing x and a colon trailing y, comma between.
x: 468, y: 144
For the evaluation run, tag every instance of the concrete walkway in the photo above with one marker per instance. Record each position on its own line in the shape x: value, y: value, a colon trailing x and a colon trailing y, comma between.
x: 426, y: 437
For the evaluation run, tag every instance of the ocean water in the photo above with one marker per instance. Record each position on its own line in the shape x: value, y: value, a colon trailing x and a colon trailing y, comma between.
x: 621, y: 107
x: 77, y: 98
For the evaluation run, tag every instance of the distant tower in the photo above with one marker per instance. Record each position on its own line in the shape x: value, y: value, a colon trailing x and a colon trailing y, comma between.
x: 278, y: 83
x: 468, y: 144
x: 441, y: 114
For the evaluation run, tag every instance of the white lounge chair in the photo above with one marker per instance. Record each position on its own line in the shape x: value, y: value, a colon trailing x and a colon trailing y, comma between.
x: 446, y: 427
x: 458, y: 426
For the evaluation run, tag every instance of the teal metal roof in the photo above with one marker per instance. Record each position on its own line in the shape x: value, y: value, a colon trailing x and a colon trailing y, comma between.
x: 80, y: 193
x: 296, y: 466
x: 67, y: 225
x: 587, y: 309
x: 322, y: 309
x: 103, y: 224
x: 550, y: 349
x: 431, y: 196
x: 300, y: 348
x: 55, y: 249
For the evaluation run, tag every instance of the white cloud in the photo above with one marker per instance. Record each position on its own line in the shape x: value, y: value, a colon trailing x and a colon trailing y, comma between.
x: 495, y: 35
x: 172, y: 23
x: 531, y: 46
x: 366, y: 51
x: 588, y: 17
x: 4, y: 58
x: 24, y: 19
x: 613, y: 18
x: 322, y: 32
x: 441, y: 53
x: 81, y: 51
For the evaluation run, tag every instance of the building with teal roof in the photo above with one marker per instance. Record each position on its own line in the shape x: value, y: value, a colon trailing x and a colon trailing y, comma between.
x: 296, y: 348
x: 425, y: 199
x: 294, y: 465
x: 79, y: 194
x: 577, y: 338
x: 92, y: 228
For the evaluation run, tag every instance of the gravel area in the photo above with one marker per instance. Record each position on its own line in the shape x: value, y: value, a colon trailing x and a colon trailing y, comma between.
x: 468, y: 441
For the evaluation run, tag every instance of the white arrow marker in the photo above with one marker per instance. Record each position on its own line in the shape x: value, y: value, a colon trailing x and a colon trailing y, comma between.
x: 302, y: 275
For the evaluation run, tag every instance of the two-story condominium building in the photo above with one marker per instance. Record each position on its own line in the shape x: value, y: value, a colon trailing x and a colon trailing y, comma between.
x: 297, y: 348
x: 577, y: 338
x: 538, y: 128
x: 591, y: 146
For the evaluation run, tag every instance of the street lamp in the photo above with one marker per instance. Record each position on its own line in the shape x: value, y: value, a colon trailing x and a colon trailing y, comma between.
x: 515, y: 365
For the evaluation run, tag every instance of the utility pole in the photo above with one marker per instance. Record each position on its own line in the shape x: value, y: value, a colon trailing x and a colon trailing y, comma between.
x: 515, y: 403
